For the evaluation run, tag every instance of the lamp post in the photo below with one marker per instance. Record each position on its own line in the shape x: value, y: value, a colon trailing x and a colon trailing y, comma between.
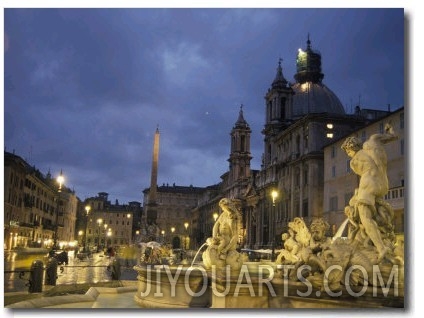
x: 137, y: 236
x: 163, y: 235
x: 87, y: 212
x: 109, y: 234
x: 172, y: 238
x: 215, y: 216
x: 60, y: 179
x: 105, y: 226
x: 129, y: 237
x: 80, y: 236
x: 274, y: 195
x: 99, y: 223
x: 186, y: 240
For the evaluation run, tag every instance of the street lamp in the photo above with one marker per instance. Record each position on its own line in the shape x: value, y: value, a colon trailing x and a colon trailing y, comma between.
x: 215, y: 216
x: 130, y: 231
x: 186, y: 227
x: 87, y: 212
x: 105, y: 226
x: 163, y: 235
x: 60, y: 180
x: 109, y: 234
x: 80, y: 236
x: 171, y: 238
x: 99, y: 223
x: 274, y: 195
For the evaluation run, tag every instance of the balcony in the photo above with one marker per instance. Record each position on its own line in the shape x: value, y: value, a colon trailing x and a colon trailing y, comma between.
x: 396, y: 197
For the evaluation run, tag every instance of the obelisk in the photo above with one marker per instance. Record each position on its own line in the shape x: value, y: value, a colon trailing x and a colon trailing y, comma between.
x: 151, y: 212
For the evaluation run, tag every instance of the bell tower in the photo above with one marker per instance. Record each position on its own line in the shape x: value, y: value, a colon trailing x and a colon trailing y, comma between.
x: 278, y: 102
x: 240, y: 156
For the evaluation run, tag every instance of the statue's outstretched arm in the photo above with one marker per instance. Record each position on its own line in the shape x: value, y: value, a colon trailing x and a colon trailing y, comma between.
x: 388, y: 136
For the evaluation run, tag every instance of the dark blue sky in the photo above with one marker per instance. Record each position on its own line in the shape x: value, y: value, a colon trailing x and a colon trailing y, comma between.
x: 86, y: 88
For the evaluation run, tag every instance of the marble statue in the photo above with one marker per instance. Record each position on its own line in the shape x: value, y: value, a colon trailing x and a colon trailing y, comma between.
x: 371, y: 240
x: 221, y: 250
x: 319, y: 240
x: 367, y: 210
x: 289, y: 254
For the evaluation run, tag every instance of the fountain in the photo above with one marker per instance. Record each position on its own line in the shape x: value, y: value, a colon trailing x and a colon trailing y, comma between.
x: 364, y: 269
x: 197, y: 253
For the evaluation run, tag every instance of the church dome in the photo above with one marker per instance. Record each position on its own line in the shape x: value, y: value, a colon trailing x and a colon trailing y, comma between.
x: 311, y: 95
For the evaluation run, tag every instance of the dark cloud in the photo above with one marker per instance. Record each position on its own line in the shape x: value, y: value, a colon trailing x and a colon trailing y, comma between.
x: 85, y: 89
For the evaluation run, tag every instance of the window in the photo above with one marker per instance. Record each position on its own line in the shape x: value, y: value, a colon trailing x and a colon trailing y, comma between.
x: 270, y: 110
x: 401, y: 120
x: 333, y: 203
x: 297, y: 178
x: 333, y: 171
x: 241, y: 172
x: 298, y: 144
x: 305, y: 208
x: 333, y: 151
x: 348, y: 196
x: 402, y: 147
x: 283, y: 108
x: 269, y: 154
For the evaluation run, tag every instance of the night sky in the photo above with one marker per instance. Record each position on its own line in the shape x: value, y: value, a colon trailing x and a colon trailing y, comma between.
x: 85, y: 89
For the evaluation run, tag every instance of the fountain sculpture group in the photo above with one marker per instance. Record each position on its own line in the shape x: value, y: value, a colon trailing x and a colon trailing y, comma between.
x: 364, y: 269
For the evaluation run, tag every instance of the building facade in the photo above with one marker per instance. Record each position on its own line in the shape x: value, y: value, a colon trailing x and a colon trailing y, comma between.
x: 340, y: 181
x: 37, y: 210
x: 174, y: 207
x: 104, y: 224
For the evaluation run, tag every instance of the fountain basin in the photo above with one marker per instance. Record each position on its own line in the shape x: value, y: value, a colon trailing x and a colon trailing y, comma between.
x: 256, y: 285
x: 172, y: 286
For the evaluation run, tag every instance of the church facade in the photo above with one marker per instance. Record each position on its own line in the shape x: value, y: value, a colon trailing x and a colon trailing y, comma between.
x: 301, y: 120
